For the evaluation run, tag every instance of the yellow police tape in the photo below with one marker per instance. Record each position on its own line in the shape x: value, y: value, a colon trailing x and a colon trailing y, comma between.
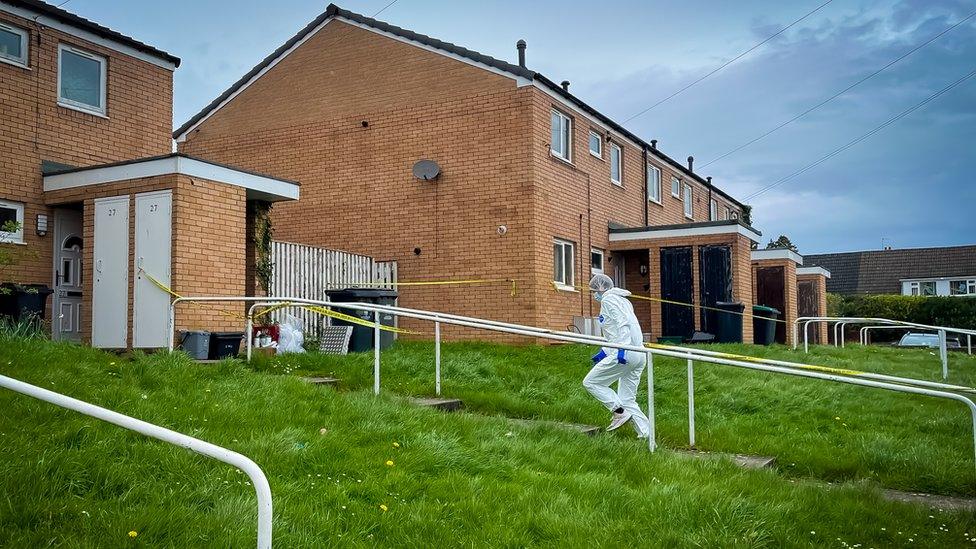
x: 337, y: 315
x: 745, y: 358
x: 557, y: 286
x: 170, y: 291
x: 445, y: 283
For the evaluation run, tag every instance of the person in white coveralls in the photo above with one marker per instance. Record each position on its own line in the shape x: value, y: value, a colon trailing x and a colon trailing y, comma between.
x: 620, y: 326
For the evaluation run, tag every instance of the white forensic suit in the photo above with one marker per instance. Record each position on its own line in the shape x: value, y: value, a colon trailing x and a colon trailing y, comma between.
x: 619, y: 325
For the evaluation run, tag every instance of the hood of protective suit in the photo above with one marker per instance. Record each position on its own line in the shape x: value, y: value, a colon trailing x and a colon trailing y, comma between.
x: 617, y: 292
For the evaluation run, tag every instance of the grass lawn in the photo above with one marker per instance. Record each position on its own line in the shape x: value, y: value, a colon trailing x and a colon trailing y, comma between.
x: 461, y: 479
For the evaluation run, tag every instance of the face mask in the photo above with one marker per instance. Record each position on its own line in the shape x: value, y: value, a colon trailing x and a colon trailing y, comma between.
x: 598, y: 296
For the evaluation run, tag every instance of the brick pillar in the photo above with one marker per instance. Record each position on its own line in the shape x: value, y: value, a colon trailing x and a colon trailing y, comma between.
x: 742, y: 282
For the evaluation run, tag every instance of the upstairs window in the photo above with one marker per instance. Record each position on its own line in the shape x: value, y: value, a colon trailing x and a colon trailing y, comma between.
x: 11, y: 222
x: 563, y: 261
x: 596, y: 144
x: 689, y: 207
x: 728, y: 213
x: 676, y: 187
x: 596, y: 261
x: 654, y: 184
x: 562, y: 135
x: 616, y: 164
x: 81, y: 80
x: 712, y: 210
x: 13, y: 44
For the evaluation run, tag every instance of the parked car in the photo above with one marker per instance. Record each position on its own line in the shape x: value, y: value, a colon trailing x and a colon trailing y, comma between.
x: 915, y: 339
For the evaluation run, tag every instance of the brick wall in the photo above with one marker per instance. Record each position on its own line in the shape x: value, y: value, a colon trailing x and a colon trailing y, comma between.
x: 208, y: 245
x: 820, y: 283
x: 34, y: 128
x: 790, y: 289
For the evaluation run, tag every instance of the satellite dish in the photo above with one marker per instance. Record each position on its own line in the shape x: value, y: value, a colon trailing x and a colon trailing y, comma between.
x: 428, y: 170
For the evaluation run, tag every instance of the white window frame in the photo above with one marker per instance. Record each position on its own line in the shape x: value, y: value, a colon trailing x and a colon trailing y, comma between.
x: 599, y: 144
x: 77, y: 105
x: 603, y: 261
x: 728, y: 213
x: 21, y: 61
x: 688, y: 199
x: 913, y: 288
x: 15, y: 237
x: 676, y: 187
x: 935, y: 288
x: 619, y: 163
x: 653, y: 184
x: 970, y: 286
x: 569, y: 278
x: 566, y: 134
x: 712, y: 210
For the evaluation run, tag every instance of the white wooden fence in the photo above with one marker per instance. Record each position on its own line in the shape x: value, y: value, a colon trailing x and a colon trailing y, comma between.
x: 308, y: 271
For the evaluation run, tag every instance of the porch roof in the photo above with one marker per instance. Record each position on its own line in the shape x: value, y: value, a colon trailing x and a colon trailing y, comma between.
x: 704, y: 228
x: 259, y: 186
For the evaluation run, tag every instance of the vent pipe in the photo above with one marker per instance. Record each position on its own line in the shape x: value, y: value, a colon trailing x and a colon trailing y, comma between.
x: 691, y: 163
x: 565, y: 85
x: 654, y: 144
x: 520, y: 45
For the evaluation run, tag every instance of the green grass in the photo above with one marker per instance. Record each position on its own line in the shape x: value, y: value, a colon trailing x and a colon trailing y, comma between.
x: 457, y: 479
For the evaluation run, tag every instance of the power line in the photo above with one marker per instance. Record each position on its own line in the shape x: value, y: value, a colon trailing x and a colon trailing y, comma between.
x: 863, y: 136
x: 384, y: 8
x: 730, y: 61
x: 838, y: 94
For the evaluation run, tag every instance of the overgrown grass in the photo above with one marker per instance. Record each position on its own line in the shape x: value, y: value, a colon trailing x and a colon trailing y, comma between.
x: 456, y: 479
x: 814, y: 428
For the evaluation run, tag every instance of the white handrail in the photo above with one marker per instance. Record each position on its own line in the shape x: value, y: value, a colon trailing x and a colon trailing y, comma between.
x: 260, y: 482
x: 530, y: 332
x: 865, y: 329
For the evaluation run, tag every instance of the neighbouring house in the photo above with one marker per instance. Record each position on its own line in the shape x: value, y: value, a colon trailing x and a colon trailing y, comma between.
x: 102, y: 201
x: 532, y: 183
x: 942, y: 271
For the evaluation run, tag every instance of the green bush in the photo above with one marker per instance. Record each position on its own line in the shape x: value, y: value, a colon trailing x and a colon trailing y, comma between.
x: 955, y: 312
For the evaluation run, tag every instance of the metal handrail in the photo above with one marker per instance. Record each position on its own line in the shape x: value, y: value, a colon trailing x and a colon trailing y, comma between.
x: 260, y: 482
x: 572, y: 338
x: 865, y: 329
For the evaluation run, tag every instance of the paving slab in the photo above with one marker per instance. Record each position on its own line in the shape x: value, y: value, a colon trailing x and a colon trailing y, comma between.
x: 442, y: 404
x: 331, y: 381
x: 588, y: 430
x: 934, y: 501
x: 742, y: 460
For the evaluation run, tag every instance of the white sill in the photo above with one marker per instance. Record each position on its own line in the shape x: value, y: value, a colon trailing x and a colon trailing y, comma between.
x: 617, y: 183
x: 676, y: 196
x: 3, y: 240
x: 594, y: 155
x: 82, y: 109
x: 565, y: 288
x: 658, y: 202
x: 691, y: 217
x: 561, y: 159
x: 14, y: 63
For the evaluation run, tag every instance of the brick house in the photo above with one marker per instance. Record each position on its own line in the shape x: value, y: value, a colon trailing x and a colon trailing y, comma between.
x: 89, y: 174
x: 534, y: 185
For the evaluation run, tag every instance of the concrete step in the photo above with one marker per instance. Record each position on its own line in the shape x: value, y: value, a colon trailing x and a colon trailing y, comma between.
x: 330, y: 381
x: 588, y: 430
x: 742, y: 460
x: 933, y: 501
x: 442, y: 404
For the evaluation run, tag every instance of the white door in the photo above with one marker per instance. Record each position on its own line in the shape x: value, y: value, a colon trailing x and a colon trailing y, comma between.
x: 110, y: 289
x: 150, y: 303
x: 66, y: 303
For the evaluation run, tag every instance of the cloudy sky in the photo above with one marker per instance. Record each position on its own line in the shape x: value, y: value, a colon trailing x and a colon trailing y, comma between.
x: 910, y: 184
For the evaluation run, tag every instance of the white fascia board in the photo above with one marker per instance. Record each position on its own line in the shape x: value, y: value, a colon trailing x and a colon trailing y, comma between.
x: 937, y: 278
x: 813, y: 271
x: 759, y: 255
x: 264, y: 187
x: 685, y: 232
x: 86, y: 35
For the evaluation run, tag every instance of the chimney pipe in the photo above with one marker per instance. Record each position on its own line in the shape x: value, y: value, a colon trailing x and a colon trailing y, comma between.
x: 520, y: 45
x: 654, y: 144
x: 709, y: 179
x: 565, y: 85
x: 691, y: 163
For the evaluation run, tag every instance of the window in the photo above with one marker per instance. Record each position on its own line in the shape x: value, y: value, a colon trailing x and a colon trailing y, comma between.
x: 596, y: 144
x: 596, y: 261
x: 689, y: 207
x: 654, y: 184
x: 728, y: 213
x: 616, y: 164
x: 13, y: 44
x: 562, y: 135
x: 926, y: 288
x: 563, y: 270
x: 11, y: 222
x: 712, y: 210
x: 962, y: 287
x: 676, y: 187
x: 81, y: 80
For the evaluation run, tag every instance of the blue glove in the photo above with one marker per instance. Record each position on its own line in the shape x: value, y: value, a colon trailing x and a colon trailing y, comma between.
x: 599, y: 356
x: 620, y: 356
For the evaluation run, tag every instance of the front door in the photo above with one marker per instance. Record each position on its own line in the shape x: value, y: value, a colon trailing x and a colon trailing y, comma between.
x: 678, y: 316
x: 715, y: 283
x: 771, y: 292
x: 808, y: 304
x: 66, y: 305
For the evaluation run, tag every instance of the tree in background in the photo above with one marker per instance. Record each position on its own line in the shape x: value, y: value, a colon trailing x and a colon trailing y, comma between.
x: 782, y: 243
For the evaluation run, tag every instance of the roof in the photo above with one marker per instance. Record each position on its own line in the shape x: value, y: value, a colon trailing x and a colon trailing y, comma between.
x: 515, y: 70
x: 881, y: 271
x: 76, y: 21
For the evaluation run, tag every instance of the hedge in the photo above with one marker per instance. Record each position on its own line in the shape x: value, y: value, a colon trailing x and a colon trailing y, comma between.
x: 955, y: 312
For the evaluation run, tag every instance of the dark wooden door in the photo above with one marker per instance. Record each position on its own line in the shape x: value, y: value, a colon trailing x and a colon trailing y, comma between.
x: 808, y: 304
x: 677, y: 284
x: 771, y: 292
x: 715, y: 282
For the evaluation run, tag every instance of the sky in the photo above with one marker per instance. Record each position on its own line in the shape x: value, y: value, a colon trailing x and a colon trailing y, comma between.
x: 910, y: 184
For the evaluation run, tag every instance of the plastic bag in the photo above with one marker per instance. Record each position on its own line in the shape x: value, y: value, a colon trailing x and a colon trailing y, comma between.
x: 290, y: 336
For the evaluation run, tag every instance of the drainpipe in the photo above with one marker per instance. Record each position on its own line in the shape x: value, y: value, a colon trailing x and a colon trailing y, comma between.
x: 709, y: 180
x: 647, y: 197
